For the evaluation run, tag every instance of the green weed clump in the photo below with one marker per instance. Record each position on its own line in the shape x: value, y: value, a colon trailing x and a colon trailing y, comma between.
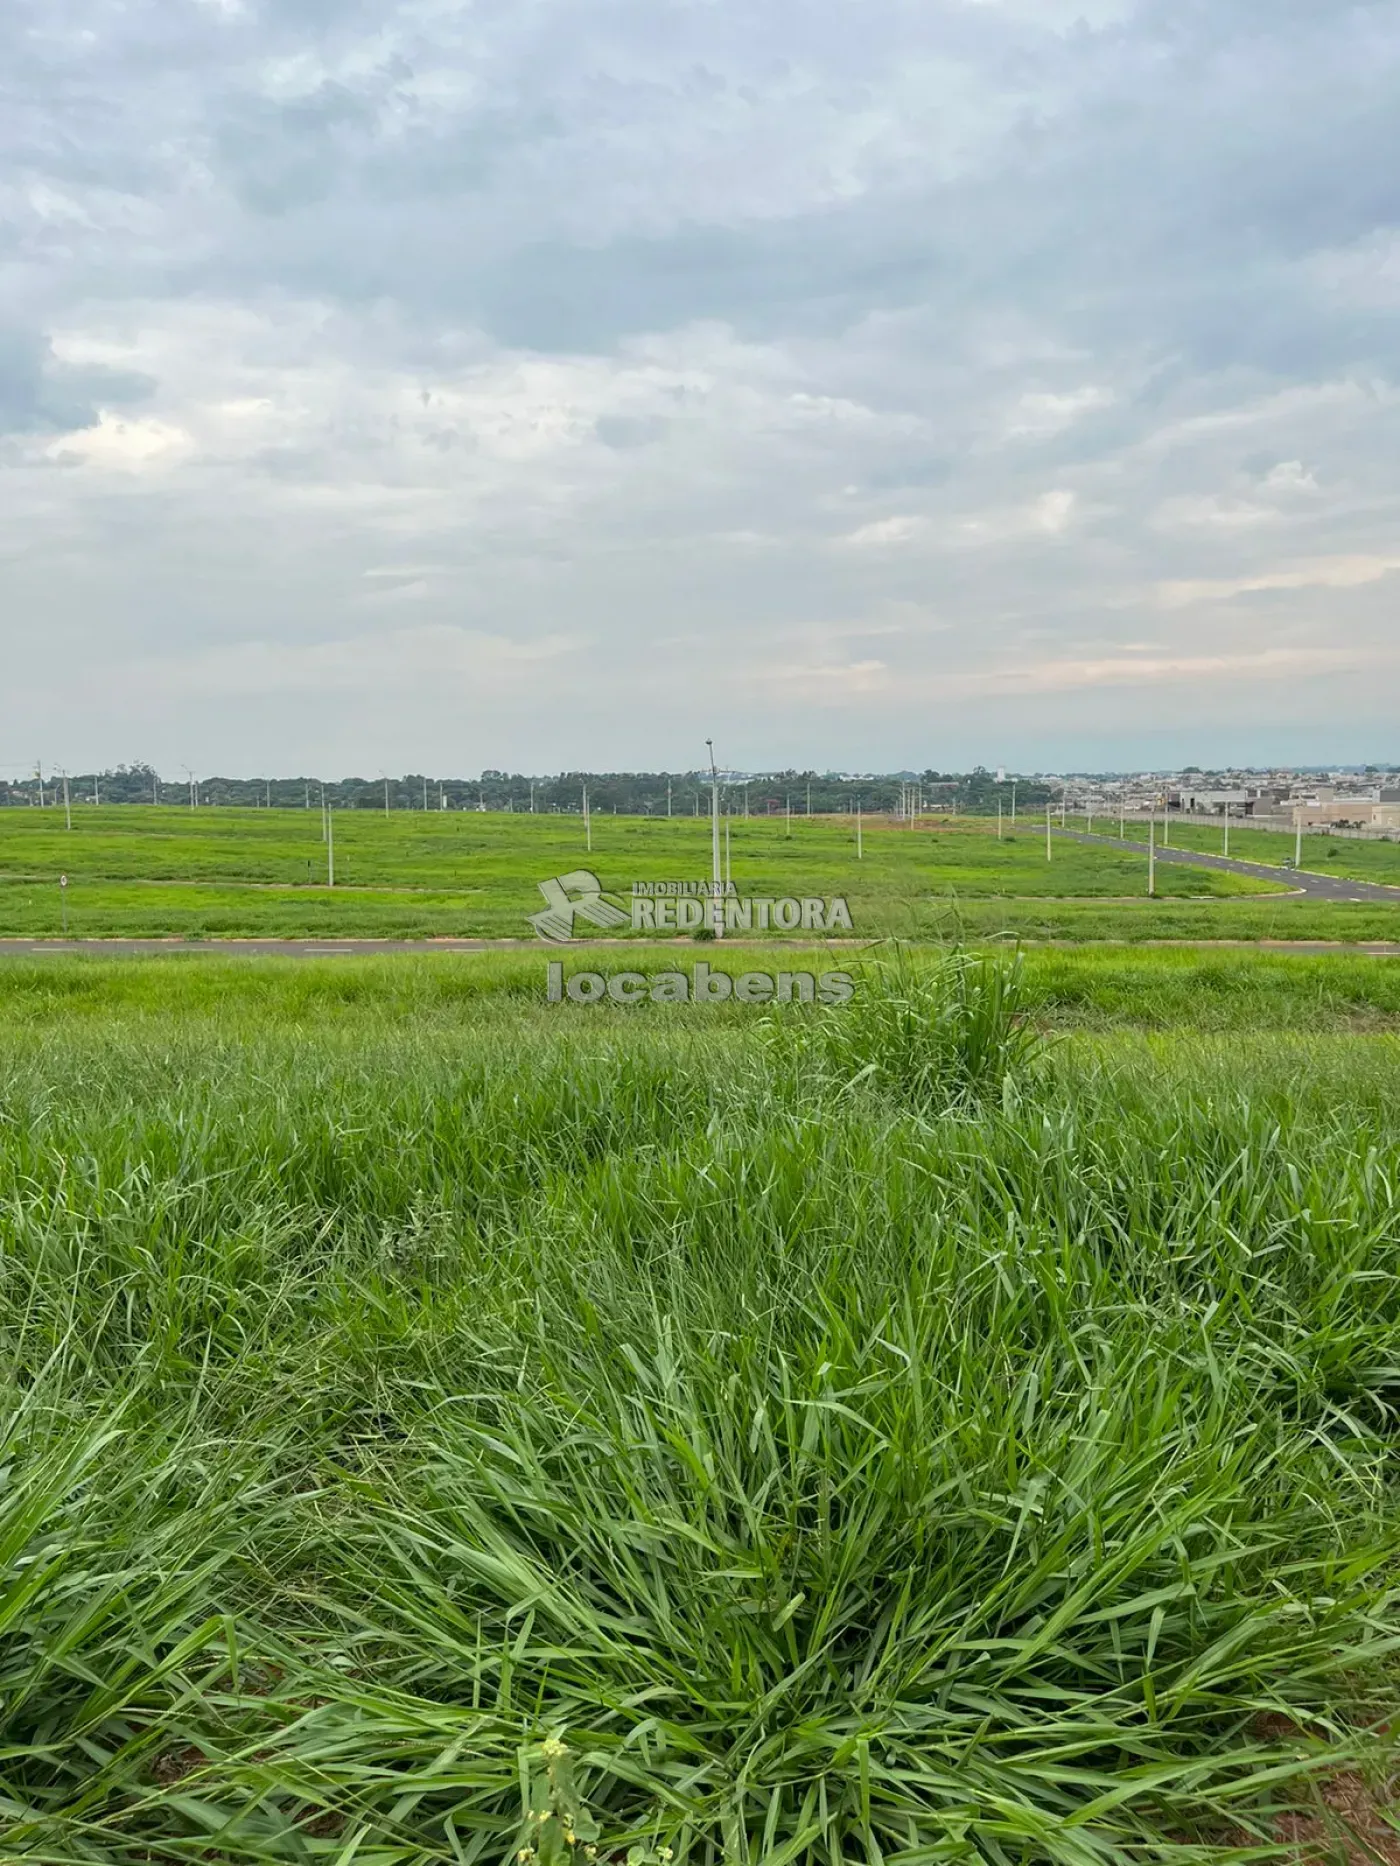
x: 440, y: 1429
x: 933, y: 1033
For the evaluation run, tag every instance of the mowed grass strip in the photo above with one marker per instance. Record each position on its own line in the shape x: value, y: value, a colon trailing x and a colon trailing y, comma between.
x: 443, y: 1427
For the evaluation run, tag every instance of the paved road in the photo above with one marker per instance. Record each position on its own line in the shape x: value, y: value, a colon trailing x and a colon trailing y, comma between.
x: 351, y: 948
x: 359, y: 948
x: 260, y: 948
x: 1315, y: 887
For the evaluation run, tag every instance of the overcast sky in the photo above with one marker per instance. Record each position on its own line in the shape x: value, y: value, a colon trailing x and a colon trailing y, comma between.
x: 554, y: 383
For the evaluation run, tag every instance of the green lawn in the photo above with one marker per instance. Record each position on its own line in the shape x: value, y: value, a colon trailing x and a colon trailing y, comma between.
x: 437, y: 1426
x: 143, y: 871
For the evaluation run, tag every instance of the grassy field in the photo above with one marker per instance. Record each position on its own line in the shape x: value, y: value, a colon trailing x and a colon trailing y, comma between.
x: 147, y: 871
x: 439, y: 1426
x: 1322, y: 854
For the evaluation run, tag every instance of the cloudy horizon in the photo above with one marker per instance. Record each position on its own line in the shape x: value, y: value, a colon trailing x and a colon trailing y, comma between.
x: 446, y: 386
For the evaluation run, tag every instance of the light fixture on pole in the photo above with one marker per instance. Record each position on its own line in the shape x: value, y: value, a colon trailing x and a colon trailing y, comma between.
x: 716, y: 876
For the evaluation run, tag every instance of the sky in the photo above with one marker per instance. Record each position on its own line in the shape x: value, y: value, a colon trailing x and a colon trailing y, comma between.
x: 542, y: 385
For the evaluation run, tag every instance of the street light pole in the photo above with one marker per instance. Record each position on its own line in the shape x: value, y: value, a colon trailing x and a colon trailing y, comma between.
x: 1047, y: 831
x: 860, y: 849
x: 716, y: 874
x: 1152, y: 853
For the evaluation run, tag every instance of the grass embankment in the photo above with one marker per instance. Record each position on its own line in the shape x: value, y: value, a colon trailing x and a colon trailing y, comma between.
x: 441, y: 1427
x: 141, y: 871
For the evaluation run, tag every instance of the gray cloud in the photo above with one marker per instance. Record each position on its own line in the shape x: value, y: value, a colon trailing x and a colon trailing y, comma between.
x: 978, y: 331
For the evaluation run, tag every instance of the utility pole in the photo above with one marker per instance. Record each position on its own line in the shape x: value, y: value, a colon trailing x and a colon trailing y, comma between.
x: 1152, y: 853
x: 425, y: 796
x: 95, y: 798
x: 1226, y: 850
x: 860, y: 852
x: 155, y: 788
x: 532, y: 796
x: 67, y: 812
x: 268, y: 794
x: 1122, y: 814
x: 386, y: 796
x: 728, y: 859
x: 716, y: 876
x: 330, y: 847
x: 809, y: 796
x: 1013, y: 803
x: 668, y: 797
x: 39, y: 773
x: 789, y: 816
x: 587, y: 822
x: 998, y: 819
x: 1166, y: 823
x: 1047, y: 831
x: 1298, y: 836
x: 1064, y: 800
x: 1089, y: 820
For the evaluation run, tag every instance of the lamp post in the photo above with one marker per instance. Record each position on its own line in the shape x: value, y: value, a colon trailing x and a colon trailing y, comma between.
x: 716, y: 873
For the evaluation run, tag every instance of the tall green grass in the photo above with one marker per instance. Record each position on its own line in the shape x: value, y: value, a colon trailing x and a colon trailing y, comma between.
x: 868, y: 1436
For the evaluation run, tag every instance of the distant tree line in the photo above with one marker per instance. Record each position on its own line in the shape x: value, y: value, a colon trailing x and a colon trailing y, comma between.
x: 628, y: 793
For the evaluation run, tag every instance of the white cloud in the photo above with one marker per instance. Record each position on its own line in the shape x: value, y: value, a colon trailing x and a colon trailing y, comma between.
x: 900, y: 529
x: 1332, y: 573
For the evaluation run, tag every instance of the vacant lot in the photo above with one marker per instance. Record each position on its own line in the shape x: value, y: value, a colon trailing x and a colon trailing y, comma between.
x: 139, y: 870
x: 443, y: 1427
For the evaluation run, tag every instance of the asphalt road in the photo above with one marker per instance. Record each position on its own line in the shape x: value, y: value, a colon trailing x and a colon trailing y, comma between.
x: 1300, y: 881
